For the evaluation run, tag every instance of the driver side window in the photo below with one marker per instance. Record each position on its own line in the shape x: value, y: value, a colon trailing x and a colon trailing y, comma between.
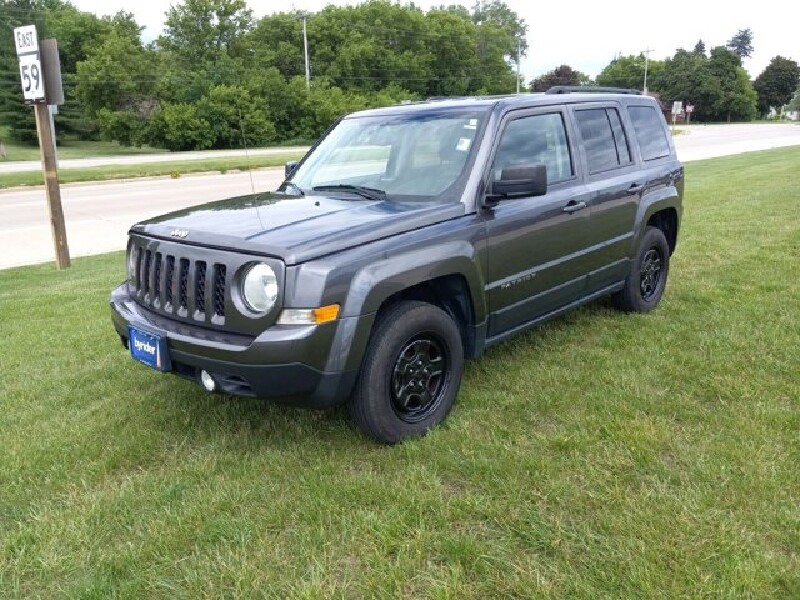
x: 538, y: 139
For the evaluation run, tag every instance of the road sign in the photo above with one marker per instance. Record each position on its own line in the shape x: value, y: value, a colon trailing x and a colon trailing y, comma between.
x: 26, y: 39
x: 30, y: 73
x: 690, y: 108
x: 677, y: 107
x: 30, y: 67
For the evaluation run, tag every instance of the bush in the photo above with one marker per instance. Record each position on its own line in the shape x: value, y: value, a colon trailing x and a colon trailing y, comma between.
x: 180, y: 127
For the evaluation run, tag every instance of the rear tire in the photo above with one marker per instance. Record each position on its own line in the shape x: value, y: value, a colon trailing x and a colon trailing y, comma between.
x: 411, y: 372
x: 647, y: 280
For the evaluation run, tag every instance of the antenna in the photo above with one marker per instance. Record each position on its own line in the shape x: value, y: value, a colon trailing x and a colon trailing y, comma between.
x: 246, y: 150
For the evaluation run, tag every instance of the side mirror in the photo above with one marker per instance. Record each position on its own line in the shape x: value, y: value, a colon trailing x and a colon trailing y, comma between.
x: 521, y: 180
x: 289, y: 168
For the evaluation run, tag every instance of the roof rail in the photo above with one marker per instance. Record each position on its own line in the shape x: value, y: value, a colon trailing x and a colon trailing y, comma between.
x: 589, y: 89
x: 473, y: 97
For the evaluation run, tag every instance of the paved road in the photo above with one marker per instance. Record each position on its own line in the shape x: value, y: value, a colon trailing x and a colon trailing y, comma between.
x: 138, y: 159
x: 98, y: 215
x: 709, y: 141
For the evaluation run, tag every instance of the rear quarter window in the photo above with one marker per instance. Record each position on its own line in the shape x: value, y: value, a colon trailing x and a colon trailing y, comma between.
x: 648, y: 126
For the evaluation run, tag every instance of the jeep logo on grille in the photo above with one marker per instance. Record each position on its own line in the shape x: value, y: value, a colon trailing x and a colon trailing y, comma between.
x: 179, y: 233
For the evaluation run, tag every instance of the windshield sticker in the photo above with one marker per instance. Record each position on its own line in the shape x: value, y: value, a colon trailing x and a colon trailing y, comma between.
x: 463, y: 144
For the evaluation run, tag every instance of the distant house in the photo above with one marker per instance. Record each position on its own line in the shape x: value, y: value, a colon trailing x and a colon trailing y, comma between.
x: 784, y: 113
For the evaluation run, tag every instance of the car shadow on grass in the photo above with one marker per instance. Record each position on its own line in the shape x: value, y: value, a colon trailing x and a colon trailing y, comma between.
x: 185, y: 409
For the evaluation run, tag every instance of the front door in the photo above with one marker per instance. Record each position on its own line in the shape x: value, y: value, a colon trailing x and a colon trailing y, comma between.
x: 536, y: 246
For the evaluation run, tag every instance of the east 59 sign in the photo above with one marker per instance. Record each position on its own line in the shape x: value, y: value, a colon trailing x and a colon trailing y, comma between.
x: 30, y: 67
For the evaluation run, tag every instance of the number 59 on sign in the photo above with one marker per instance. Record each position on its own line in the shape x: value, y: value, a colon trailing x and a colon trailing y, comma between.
x: 30, y: 72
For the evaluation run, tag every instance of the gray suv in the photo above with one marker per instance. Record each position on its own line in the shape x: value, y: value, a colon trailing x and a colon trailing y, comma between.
x: 408, y: 239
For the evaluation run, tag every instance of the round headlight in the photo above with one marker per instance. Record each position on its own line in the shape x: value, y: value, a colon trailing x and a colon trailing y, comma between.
x: 260, y: 288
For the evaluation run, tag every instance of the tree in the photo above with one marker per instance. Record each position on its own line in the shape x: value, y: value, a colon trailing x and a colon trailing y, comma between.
x: 686, y: 77
x: 117, y: 75
x: 737, y: 99
x: 741, y: 44
x: 700, y: 48
x: 501, y: 38
x: 200, y: 31
x: 628, y: 72
x: 563, y: 75
x: 777, y: 83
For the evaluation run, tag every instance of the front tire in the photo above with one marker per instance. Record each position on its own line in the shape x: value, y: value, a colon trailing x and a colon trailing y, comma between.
x: 648, y: 277
x: 411, y: 372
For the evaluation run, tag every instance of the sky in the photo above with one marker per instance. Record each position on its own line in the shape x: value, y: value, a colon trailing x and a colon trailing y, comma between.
x: 585, y: 34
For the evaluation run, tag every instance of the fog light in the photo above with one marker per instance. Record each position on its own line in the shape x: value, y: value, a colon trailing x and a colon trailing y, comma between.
x: 207, y: 381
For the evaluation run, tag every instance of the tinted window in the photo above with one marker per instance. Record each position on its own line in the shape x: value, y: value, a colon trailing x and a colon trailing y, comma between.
x: 598, y: 139
x: 648, y: 123
x: 538, y: 139
x: 623, y: 151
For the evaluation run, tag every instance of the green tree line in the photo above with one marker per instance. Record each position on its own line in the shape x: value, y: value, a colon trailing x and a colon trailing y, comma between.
x: 714, y: 82
x: 219, y: 78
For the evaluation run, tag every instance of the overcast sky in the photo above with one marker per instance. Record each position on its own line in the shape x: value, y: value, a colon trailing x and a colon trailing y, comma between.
x: 585, y: 34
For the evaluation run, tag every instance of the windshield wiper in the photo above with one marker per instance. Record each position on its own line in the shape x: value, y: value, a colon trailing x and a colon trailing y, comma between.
x: 363, y: 191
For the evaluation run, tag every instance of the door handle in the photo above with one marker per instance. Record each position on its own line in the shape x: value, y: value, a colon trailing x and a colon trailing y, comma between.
x: 635, y: 188
x: 574, y: 206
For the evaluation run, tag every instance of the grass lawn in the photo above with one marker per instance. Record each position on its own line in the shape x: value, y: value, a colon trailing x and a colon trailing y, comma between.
x: 175, y: 168
x: 600, y: 456
x: 70, y: 149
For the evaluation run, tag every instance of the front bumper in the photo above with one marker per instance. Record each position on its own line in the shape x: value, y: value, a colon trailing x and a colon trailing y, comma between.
x: 283, y: 362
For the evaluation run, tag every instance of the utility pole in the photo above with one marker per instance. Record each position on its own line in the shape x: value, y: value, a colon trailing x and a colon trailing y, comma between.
x: 305, y: 52
x: 646, y: 53
x: 519, y: 59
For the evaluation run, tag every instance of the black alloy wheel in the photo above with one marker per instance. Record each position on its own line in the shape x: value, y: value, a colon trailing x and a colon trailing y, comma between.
x: 419, y: 378
x: 650, y: 273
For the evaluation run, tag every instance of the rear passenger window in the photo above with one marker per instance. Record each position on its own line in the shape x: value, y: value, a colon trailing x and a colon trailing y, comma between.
x: 648, y: 123
x: 603, y: 138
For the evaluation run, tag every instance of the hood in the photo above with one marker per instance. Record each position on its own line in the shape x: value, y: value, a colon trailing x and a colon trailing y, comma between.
x: 294, y: 228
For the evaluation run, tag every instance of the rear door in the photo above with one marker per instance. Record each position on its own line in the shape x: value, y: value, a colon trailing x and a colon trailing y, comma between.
x: 614, y: 183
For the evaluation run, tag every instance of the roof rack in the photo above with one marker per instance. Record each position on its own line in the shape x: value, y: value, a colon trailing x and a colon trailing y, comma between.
x: 589, y: 89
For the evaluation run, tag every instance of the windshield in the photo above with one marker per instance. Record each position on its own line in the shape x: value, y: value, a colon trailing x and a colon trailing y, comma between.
x: 408, y: 157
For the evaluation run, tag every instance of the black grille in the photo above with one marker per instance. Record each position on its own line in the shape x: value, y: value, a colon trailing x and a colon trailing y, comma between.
x: 182, y: 283
x: 157, y: 278
x: 220, y: 272
x: 182, y: 287
x: 146, y: 272
x: 200, y: 286
x: 168, y: 276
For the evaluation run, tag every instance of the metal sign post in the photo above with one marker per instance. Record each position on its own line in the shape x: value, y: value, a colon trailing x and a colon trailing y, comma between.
x: 34, y: 91
x: 677, y: 108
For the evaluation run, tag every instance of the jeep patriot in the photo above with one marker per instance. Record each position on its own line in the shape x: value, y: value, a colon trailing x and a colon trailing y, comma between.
x: 408, y: 239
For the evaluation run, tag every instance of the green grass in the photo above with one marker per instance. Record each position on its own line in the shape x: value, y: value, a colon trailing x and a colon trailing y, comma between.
x: 600, y: 456
x: 70, y: 148
x: 240, y: 163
